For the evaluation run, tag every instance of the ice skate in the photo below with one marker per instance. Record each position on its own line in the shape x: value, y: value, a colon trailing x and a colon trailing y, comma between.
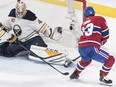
x: 74, y: 75
x: 105, y: 81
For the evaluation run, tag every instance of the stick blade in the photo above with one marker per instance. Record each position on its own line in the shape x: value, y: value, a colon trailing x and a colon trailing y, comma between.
x: 66, y: 73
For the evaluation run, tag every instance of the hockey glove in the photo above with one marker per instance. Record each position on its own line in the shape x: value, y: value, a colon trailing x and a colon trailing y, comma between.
x: 57, y: 33
x: 103, y: 42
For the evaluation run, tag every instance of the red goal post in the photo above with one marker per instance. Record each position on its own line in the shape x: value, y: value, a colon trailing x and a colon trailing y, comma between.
x: 77, y: 4
x: 83, y: 1
x: 75, y: 11
x: 83, y: 4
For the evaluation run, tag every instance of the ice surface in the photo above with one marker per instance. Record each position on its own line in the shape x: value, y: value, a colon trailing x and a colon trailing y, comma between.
x: 22, y: 72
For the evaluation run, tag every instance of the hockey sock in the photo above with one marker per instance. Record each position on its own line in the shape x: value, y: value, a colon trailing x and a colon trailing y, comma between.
x: 107, y: 66
x: 81, y: 66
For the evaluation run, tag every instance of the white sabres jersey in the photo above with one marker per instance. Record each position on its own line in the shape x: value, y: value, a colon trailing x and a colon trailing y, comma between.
x: 26, y: 28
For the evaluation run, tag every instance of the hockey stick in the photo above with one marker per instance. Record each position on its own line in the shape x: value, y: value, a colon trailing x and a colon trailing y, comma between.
x: 65, y: 73
x: 76, y: 58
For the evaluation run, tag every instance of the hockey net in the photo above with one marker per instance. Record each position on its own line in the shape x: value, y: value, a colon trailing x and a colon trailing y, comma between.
x: 61, y: 10
x: 63, y: 13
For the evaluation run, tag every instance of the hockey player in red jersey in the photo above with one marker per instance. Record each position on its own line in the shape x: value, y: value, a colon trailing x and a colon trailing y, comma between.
x: 95, y: 33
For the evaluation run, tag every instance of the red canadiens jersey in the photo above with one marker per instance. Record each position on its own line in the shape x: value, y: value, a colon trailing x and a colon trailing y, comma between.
x: 94, y: 31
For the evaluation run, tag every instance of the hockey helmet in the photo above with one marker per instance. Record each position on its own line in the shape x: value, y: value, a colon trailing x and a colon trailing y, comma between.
x: 20, y: 9
x: 89, y: 11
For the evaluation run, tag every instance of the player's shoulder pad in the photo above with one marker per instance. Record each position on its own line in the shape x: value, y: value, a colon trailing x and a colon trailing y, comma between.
x: 30, y: 16
x: 12, y: 13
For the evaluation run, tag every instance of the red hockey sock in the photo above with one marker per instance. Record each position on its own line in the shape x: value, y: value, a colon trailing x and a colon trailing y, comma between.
x: 107, y: 66
x: 81, y: 66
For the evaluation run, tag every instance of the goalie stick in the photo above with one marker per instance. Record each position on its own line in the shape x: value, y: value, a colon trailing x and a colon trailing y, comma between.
x: 76, y: 58
x: 52, y: 56
x: 68, y: 62
x: 65, y: 73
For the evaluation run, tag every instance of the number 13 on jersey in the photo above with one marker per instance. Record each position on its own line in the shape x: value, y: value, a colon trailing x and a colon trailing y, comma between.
x: 88, y: 30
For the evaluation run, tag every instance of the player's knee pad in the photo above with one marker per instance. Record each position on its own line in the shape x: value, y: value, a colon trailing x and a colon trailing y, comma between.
x: 84, y: 64
x: 107, y: 65
x: 110, y: 61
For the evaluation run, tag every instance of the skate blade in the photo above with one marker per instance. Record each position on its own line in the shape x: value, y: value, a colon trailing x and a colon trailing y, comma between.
x: 105, y: 84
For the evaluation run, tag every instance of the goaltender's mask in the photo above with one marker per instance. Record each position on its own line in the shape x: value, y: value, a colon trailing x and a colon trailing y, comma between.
x: 20, y: 9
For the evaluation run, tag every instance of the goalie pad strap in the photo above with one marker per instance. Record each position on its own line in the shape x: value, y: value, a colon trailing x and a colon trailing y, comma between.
x: 50, y: 55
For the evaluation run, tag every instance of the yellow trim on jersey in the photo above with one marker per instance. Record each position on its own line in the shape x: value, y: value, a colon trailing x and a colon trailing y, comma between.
x: 2, y: 32
x: 28, y: 36
x: 43, y: 28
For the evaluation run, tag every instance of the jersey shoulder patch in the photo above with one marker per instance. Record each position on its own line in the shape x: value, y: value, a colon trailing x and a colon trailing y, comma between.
x: 12, y: 13
x: 29, y: 15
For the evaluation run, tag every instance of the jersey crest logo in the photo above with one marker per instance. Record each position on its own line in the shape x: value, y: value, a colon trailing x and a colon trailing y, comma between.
x: 17, y: 30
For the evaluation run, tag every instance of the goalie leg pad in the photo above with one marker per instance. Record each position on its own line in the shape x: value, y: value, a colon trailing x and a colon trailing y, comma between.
x: 53, y: 56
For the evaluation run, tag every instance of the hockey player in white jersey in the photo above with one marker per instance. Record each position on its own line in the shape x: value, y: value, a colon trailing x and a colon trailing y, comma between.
x: 24, y: 27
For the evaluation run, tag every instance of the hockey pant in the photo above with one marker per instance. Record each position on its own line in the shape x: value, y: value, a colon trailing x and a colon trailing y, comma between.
x: 91, y: 53
x: 12, y: 49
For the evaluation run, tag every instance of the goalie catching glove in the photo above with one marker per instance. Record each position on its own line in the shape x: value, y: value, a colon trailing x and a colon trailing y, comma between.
x: 57, y: 33
x: 54, y: 34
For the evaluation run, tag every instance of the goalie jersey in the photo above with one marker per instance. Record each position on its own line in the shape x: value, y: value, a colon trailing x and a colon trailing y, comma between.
x: 94, y: 31
x: 25, y: 28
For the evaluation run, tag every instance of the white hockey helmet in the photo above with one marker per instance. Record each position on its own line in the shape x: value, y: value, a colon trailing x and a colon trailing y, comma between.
x: 20, y: 9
